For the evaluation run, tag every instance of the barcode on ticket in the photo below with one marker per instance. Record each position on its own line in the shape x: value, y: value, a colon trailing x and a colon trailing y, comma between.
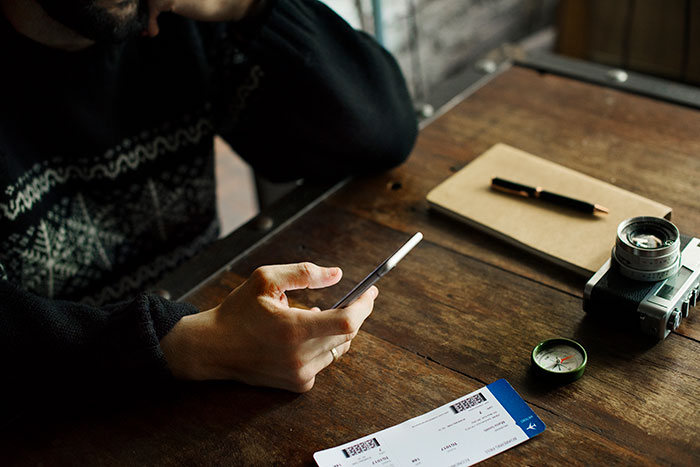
x: 467, y: 403
x: 359, y: 448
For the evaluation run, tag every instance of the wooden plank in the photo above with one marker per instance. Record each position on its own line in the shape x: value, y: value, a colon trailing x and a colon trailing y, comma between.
x: 607, y: 31
x: 692, y: 71
x: 573, y: 28
x: 657, y: 37
x: 330, y: 237
x: 593, y: 30
x: 643, y: 35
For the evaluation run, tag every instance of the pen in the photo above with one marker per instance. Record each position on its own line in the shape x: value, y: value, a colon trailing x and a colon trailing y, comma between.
x: 513, y: 188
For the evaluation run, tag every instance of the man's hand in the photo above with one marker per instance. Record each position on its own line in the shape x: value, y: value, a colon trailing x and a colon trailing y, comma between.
x: 254, y: 336
x: 199, y: 10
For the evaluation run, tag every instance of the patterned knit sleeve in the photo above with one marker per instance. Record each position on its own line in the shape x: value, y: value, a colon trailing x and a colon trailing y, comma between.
x: 316, y: 98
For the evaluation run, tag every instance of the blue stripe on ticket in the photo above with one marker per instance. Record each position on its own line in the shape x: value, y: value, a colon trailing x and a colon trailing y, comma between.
x: 523, y: 415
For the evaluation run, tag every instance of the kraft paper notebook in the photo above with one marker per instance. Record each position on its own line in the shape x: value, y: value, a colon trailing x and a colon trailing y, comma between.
x: 581, y: 242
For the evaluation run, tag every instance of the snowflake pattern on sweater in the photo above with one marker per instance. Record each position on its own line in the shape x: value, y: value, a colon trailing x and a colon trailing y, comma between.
x: 91, y: 231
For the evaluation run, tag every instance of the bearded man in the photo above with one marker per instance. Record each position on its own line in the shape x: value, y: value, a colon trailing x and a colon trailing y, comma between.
x: 107, y: 180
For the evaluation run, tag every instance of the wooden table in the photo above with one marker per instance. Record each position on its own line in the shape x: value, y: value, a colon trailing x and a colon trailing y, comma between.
x: 461, y: 311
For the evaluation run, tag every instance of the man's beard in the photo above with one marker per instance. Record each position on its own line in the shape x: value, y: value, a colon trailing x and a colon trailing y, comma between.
x: 95, y: 22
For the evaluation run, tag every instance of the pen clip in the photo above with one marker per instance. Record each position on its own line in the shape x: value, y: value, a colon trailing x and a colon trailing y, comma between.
x: 510, y: 191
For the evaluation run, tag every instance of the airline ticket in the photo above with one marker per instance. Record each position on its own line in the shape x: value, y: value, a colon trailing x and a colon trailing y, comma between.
x: 463, y: 432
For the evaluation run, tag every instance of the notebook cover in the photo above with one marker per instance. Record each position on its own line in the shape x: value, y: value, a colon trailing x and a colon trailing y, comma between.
x: 581, y: 242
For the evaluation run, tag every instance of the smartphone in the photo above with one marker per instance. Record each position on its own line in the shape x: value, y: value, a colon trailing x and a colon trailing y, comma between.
x: 378, y: 272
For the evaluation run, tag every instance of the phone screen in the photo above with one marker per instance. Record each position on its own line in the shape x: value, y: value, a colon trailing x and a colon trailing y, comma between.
x: 386, y: 266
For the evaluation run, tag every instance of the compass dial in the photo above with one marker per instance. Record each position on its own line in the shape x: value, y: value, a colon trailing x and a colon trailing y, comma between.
x: 559, y: 358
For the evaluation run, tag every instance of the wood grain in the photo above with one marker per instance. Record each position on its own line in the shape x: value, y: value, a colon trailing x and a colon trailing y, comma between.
x: 483, y: 322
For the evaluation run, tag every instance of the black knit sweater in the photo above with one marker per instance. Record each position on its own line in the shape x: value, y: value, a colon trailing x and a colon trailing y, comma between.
x: 107, y: 177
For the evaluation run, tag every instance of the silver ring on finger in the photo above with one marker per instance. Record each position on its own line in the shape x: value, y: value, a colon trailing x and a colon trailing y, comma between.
x: 335, y: 354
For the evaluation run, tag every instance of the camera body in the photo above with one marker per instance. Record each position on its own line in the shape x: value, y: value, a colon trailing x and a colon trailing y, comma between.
x: 649, y: 284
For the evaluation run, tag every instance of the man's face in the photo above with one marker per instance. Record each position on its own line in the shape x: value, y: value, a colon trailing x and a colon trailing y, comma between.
x: 100, y: 20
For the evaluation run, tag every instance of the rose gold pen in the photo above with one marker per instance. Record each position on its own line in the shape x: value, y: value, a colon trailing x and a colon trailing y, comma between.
x: 525, y: 191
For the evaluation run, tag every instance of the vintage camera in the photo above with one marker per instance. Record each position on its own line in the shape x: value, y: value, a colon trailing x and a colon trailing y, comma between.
x: 651, y: 280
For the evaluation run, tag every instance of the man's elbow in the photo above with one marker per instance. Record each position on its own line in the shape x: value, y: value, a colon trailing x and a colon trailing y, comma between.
x: 393, y: 141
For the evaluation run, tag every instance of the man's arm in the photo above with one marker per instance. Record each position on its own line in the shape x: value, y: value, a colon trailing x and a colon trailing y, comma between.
x: 253, y: 336
x: 331, y: 101
x: 322, y: 99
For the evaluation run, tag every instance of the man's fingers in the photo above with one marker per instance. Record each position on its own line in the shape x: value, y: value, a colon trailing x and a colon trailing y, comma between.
x: 153, y: 23
x: 341, y: 350
x: 326, y: 358
x: 321, y: 345
x: 296, y: 276
x: 338, y: 322
x: 155, y: 8
x: 366, y: 301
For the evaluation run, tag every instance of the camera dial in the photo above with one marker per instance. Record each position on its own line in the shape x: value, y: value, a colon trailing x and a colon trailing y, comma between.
x: 647, y: 249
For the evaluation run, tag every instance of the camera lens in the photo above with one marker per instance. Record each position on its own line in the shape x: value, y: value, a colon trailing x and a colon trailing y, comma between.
x: 648, y: 239
x: 647, y: 248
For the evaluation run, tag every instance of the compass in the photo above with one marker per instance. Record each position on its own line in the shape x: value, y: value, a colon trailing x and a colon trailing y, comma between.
x: 559, y: 359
